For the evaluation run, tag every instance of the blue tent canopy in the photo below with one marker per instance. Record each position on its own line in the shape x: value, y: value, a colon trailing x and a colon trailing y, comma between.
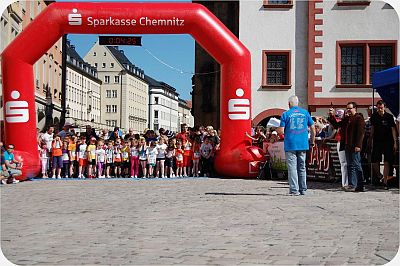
x: 386, y: 83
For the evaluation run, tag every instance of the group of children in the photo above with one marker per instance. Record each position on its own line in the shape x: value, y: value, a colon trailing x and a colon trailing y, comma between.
x: 134, y: 158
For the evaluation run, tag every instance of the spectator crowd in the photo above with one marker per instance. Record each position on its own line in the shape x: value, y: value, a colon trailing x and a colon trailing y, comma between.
x: 91, y: 154
x: 361, y: 143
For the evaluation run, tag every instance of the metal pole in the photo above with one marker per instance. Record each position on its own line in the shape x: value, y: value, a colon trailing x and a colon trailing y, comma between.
x: 63, y: 81
x: 120, y: 117
x: 170, y: 114
x: 369, y: 159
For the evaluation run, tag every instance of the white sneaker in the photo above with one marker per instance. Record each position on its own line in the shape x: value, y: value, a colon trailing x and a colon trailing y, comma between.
x: 15, y: 181
x: 172, y: 175
x: 54, y: 177
x: 108, y: 176
x: 135, y: 176
x: 102, y: 176
x: 59, y: 177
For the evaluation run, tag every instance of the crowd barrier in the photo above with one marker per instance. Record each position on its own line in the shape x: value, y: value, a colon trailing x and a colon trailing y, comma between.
x: 322, y: 161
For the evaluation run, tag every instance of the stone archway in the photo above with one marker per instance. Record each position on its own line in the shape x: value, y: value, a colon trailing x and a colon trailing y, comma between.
x: 267, y: 113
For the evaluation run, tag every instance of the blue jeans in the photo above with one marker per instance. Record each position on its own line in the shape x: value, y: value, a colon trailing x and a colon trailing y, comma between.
x: 296, y: 162
x: 354, y: 168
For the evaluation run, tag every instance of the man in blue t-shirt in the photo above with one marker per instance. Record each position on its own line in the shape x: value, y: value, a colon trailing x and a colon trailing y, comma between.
x: 294, y: 125
x: 3, y: 169
x: 11, y: 163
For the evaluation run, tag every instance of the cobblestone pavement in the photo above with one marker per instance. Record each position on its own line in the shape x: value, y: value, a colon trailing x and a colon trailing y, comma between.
x: 195, y: 221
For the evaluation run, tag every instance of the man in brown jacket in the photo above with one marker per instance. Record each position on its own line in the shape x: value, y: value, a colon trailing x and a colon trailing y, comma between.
x: 354, y: 127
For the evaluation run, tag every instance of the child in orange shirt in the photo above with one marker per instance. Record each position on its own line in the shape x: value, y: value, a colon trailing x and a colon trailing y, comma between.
x: 91, y: 150
x: 57, y: 157
x: 72, y: 155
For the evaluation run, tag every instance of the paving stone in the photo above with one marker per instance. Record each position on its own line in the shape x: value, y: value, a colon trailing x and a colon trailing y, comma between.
x: 189, y: 221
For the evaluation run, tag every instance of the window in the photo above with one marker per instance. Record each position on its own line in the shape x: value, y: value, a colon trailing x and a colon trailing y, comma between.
x: 113, y: 108
x: 353, y: 2
x: 114, y: 94
x: 155, y: 114
x: 94, y: 54
x: 381, y: 57
x: 278, y: 3
x: 352, y: 63
x: 104, y: 65
x: 106, y: 79
x: 276, y: 69
x: 156, y: 100
x: 111, y: 123
x: 116, y: 79
x: 95, y: 65
x: 357, y: 61
x: 105, y: 54
x: 108, y: 93
x: 112, y: 65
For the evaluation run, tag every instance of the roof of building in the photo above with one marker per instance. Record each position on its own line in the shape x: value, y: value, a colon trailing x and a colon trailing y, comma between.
x: 75, y: 60
x: 155, y: 83
x: 125, y: 62
x: 184, y: 103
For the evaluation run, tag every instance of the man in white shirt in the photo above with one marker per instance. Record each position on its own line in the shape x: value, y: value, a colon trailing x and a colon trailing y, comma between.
x: 48, y: 137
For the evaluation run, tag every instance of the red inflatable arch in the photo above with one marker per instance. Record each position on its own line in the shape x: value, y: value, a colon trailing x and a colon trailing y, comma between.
x: 236, y: 157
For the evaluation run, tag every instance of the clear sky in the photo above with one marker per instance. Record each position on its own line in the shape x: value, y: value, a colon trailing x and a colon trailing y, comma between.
x: 177, y: 51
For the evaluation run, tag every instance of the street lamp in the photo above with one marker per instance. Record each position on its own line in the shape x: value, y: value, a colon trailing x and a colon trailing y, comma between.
x: 67, y: 110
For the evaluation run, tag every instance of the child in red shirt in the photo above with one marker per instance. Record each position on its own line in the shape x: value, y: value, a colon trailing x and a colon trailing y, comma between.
x: 196, y: 155
x: 179, y: 159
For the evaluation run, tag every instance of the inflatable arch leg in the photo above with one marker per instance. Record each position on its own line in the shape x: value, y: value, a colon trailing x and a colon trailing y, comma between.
x: 236, y: 157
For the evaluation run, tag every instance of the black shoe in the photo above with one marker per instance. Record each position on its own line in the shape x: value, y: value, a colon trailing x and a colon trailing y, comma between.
x: 359, y: 189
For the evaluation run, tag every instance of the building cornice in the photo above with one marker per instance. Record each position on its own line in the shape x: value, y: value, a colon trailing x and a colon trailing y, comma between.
x: 84, y: 73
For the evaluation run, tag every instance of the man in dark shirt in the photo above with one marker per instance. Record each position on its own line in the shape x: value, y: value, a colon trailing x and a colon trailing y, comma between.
x: 383, y: 135
x: 354, y: 127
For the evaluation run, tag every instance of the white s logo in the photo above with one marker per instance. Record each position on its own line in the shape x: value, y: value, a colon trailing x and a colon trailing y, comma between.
x: 75, y: 19
x: 17, y: 111
x: 239, y: 109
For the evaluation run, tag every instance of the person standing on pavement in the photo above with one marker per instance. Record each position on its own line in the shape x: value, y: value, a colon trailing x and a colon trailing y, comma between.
x: 182, y: 136
x: 354, y: 128
x: 294, y: 124
x: 339, y: 115
x: 383, y: 136
x: 66, y: 131
x: 48, y: 138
